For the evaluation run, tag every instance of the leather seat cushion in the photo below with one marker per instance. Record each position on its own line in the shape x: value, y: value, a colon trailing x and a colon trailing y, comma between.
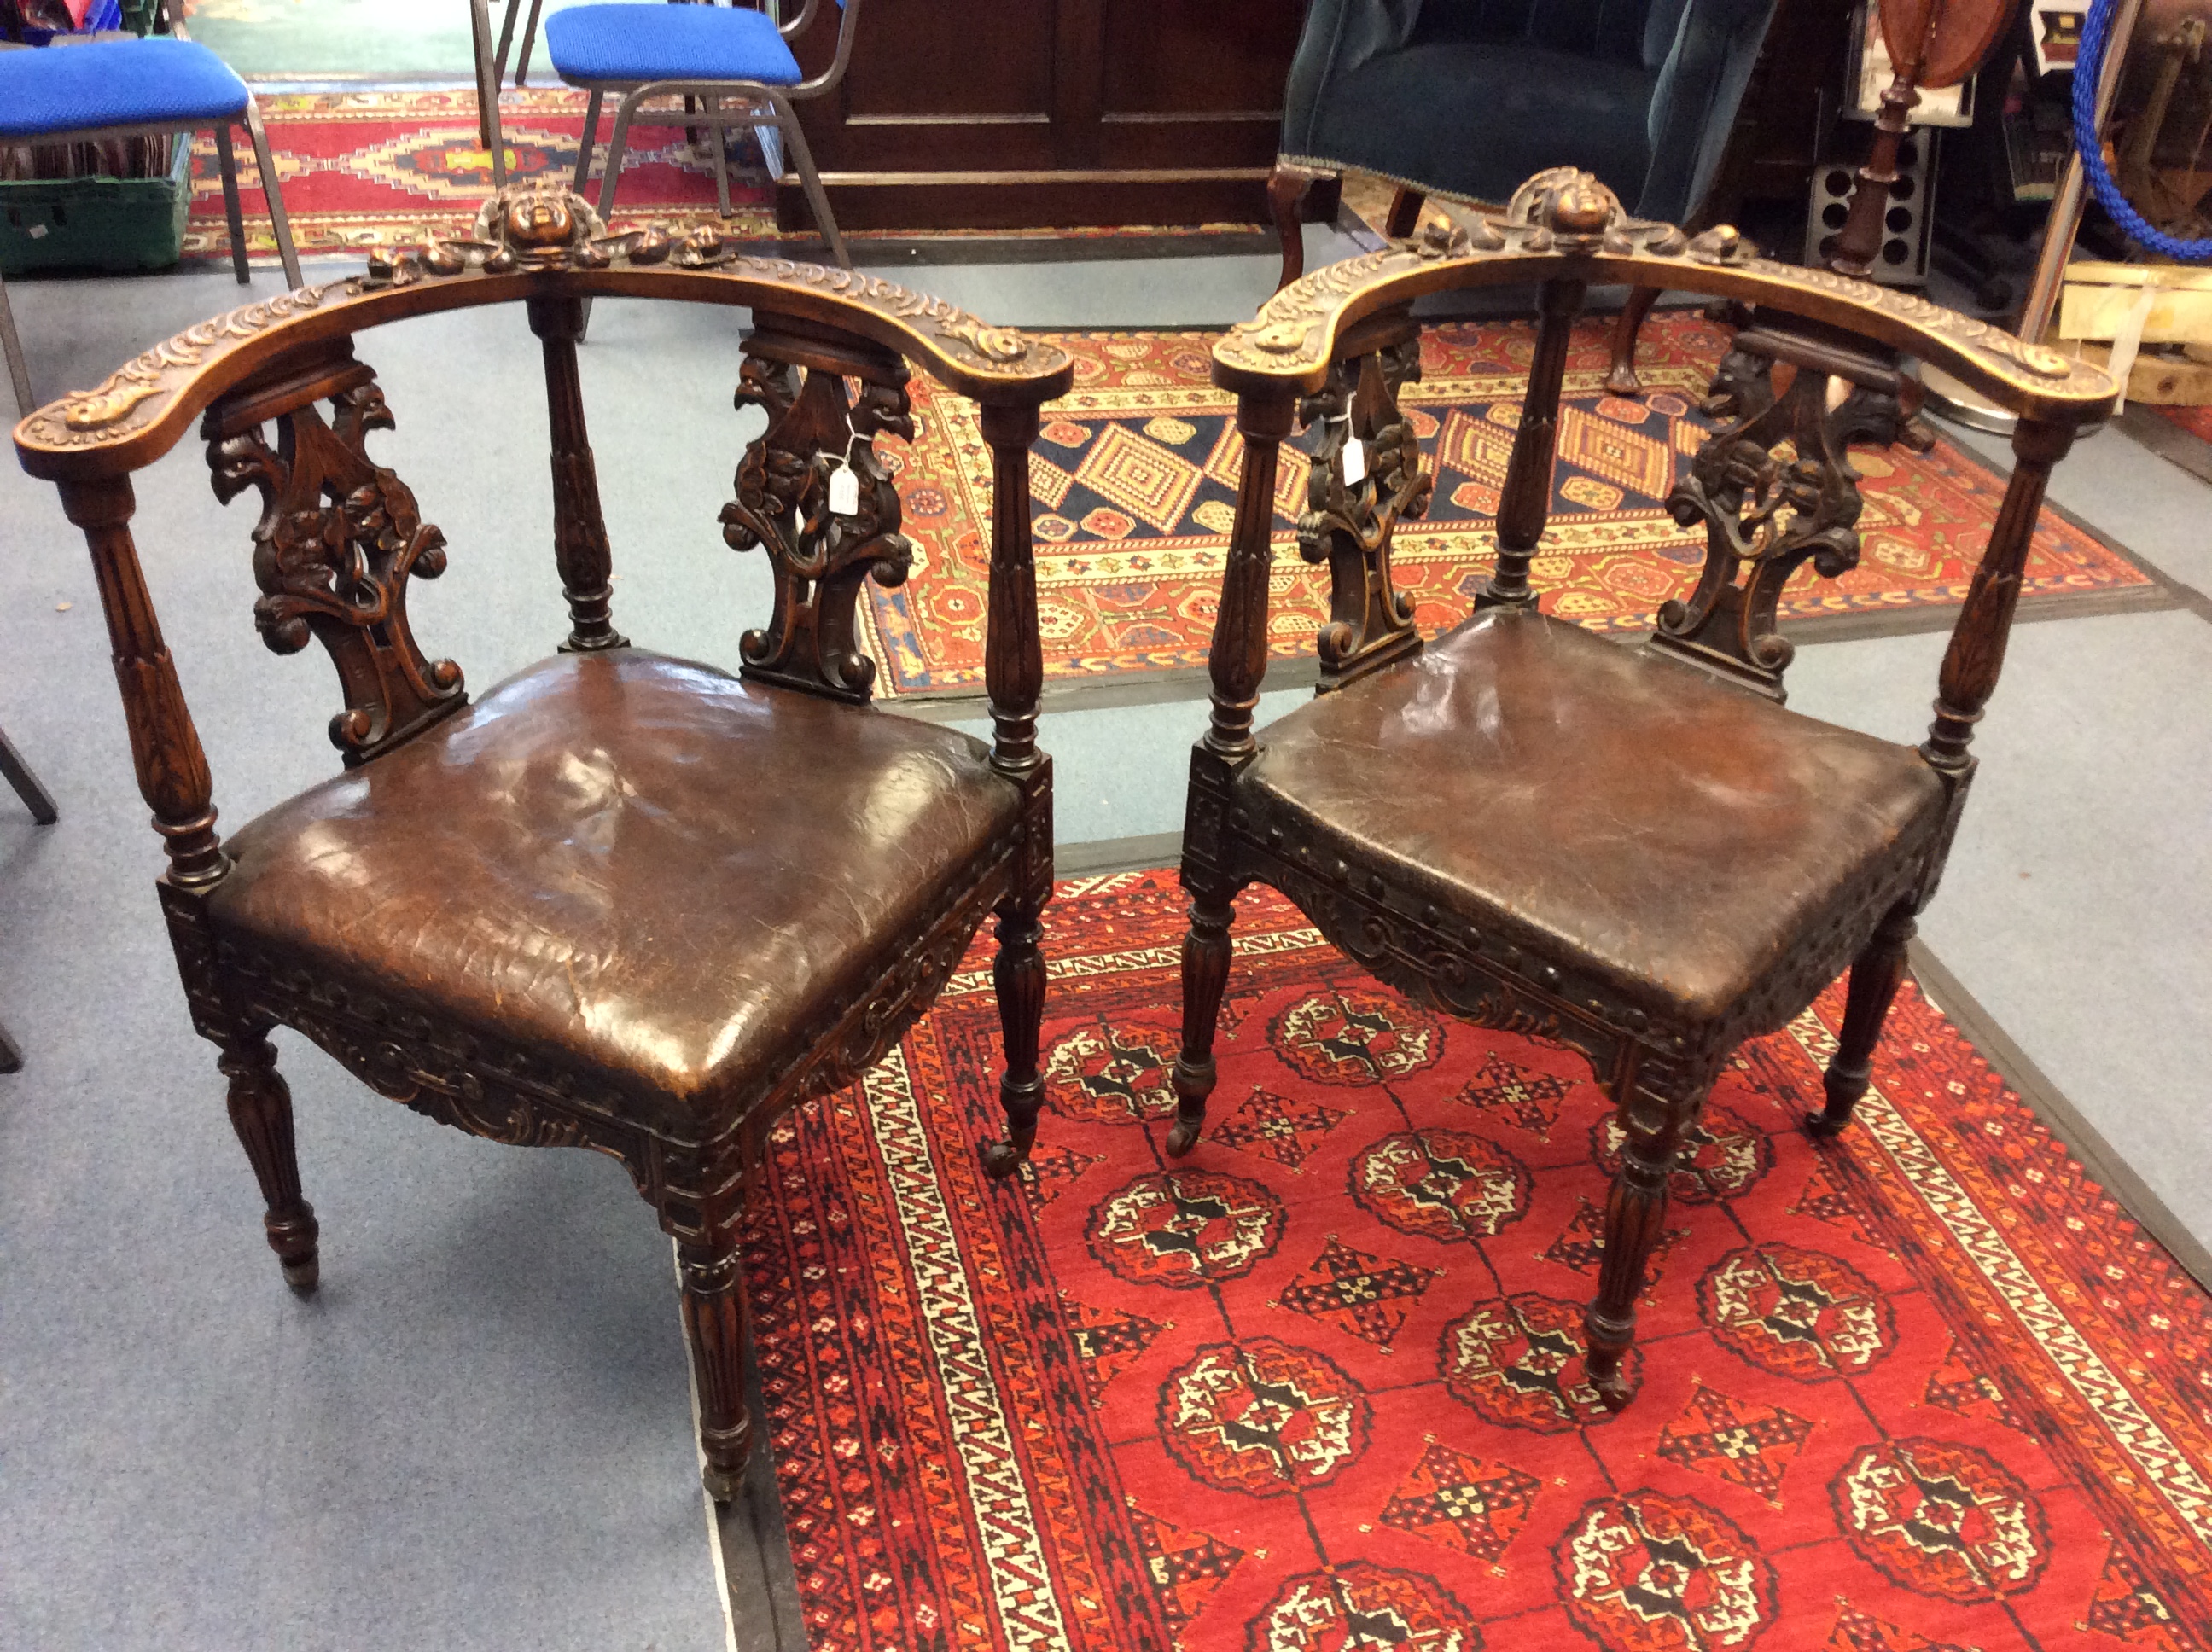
x: 1677, y: 836
x: 1490, y: 116
x: 642, y: 866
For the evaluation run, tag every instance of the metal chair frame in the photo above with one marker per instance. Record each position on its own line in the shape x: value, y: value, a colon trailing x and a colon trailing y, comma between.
x: 756, y: 104
x: 19, y: 372
x: 40, y: 803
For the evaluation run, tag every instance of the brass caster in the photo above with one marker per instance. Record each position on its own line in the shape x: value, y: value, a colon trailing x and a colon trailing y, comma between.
x: 303, y: 1277
x: 722, y: 1484
x: 1182, y: 1136
x: 1002, y: 1158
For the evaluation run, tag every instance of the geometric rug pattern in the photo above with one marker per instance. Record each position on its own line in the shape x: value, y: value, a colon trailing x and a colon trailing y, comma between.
x: 1320, y: 1384
x: 1135, y: 484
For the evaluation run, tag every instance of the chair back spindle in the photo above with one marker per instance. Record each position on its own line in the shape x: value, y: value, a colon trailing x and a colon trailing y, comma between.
x: 581, y: 548
x: 1524, y: 504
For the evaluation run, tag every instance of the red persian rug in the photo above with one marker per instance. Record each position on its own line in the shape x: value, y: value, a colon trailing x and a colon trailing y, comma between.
x: 1320, y: 1384
x: 373, y: 169
x: 1135, y: 484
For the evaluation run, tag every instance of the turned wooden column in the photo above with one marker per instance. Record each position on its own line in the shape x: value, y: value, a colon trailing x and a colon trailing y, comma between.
x: 1238, y: 660
x: 1013, y: 660
x: 580, y: 530
x: 1976, y: 652
x: 1524, y: 505
x: 165, y: 746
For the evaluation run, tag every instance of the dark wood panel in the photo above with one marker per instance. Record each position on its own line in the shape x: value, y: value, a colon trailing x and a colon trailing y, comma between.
x: 1224, y: 140
x: 926, y: 57
x: 1204, y: 56
x: 1034, y: 113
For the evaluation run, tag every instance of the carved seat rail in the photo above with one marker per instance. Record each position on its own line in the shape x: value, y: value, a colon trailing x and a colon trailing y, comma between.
x: 1356, y: 807
x: 286, y: 409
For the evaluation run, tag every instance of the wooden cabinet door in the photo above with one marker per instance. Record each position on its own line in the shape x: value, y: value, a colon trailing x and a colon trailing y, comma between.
x: 1005, y: 114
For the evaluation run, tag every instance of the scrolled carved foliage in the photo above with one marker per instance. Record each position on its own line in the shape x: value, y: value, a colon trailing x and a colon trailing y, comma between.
x: 338, y: 539
x: 1773, y: 490
x: 1350, y: 526
x: 786, y: 492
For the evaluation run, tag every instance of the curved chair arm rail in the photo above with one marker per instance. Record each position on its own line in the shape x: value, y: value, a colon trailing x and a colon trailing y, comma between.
x: 1564, y: 225
x: 534, y: 239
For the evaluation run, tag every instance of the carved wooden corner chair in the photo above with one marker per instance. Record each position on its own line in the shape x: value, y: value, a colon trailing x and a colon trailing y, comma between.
x: 621, y: 902
x: 1635, y: 852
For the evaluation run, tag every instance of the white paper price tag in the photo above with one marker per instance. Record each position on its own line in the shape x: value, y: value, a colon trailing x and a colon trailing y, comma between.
x: 1355, y: 462
x: 844, y: 491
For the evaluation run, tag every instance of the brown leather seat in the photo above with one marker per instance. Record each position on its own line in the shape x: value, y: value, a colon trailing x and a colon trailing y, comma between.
x: 1596, y: 794
x: 654, y: 870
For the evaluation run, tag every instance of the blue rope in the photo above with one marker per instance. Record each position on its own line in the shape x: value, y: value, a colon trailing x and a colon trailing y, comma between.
x: 2088, y: 69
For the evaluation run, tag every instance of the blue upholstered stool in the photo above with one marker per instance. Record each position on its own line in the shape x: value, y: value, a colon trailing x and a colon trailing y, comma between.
x: 134, y: 88
x: 718, y: 54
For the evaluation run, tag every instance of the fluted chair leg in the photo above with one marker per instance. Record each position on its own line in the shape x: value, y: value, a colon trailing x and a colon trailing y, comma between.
x: 1654, y: 1118
x: 261, y: 1113
x: 717, y: 1326
x: 1875, y: 976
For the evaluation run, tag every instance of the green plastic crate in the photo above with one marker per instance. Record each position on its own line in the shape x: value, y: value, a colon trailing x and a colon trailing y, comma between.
x: 97, y: 223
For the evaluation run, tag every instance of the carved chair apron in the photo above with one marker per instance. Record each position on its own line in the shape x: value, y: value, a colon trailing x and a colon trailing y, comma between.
x: 619, y: 902
x: 1637, y: 853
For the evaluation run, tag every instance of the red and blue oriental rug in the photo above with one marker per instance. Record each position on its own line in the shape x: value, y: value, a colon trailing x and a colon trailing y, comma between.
x: 1320, y: 1384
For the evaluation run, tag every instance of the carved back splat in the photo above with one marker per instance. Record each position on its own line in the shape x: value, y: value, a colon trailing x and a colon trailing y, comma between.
x: 819, y: 554
x: 338, y: 539
x: 1350, y: 526
x: 1774, y: 490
